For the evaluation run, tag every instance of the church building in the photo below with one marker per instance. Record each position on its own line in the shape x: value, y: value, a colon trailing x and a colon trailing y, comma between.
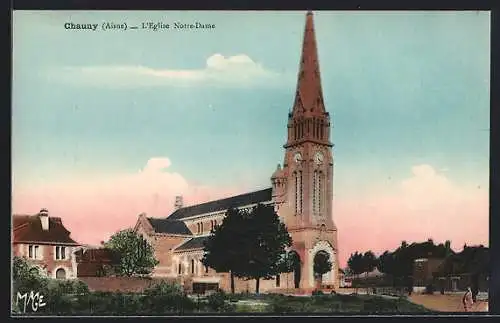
x: 301, y: 191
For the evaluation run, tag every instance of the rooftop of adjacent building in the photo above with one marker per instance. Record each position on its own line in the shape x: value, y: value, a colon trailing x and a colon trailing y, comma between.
x: 40, y: 228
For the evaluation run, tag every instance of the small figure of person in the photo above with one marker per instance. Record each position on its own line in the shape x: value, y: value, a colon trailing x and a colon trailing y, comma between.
x: 475, y: 292
x: 467, y: 300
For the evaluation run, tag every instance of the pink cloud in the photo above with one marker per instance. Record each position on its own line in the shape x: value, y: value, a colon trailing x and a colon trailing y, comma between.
x: 426, y: 205
x: 93, y: 209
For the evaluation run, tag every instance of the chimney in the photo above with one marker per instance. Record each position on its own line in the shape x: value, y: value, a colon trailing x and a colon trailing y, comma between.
x: 178, y: 202
x: 44, y: 219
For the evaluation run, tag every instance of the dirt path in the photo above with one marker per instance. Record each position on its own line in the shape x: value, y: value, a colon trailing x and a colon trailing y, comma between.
x: 446, y: 303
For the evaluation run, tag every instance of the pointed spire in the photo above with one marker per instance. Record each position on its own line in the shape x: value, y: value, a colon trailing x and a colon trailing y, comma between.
x: 309, y: 92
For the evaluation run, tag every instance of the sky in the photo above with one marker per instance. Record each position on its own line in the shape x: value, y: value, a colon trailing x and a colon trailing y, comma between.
x: 107, y: 124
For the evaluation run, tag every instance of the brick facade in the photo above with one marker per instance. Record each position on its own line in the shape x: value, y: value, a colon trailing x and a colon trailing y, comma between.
x: 46, y: 243
x: 301, y: 192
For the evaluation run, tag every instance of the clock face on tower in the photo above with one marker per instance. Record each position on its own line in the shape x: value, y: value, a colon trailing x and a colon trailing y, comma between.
x: 297, y: 157
x: 318, y: 158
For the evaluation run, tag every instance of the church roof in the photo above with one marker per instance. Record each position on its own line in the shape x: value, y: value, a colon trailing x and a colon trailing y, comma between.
x: 169, y: 226
x: 261, y: 196
x: 193, y: 243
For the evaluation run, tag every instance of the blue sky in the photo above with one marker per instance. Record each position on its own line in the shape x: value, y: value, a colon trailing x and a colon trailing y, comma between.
x: 403, y: 89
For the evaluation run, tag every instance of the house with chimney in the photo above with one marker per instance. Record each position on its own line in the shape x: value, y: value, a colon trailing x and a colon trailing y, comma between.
x: 46, y: 243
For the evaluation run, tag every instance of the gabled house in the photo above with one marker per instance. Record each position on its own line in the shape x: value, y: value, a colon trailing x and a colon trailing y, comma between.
x: 95, y: 261
x: 468, y: 268
x: 46, y: 243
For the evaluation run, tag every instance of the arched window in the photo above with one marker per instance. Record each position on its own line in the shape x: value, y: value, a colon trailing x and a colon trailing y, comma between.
x: 179, y: 270
x: 60, y: 274
x: 201, y: 227
x: 198, y: 227
x: 300, y: 192
x: 278, y: 280
x: 320, y: 192
x: 315, y: 191
x: 192, y: 266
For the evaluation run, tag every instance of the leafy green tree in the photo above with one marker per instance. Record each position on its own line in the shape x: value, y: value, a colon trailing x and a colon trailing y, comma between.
x: 264, y: 242
x: 386, y: 264
x: 223, y: 248
x: 290, y: 262
x: 321, y: 265
x: 26, y: 278
x: 369, y: 261
x: 355, y: 264
x: 135, y: 253
x: 248, y: 244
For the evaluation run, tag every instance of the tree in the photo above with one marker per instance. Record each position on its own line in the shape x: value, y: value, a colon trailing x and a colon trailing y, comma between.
x: 321, y: 265
x: 135, y: 253
x: 223, y: 248
x: 355, y: 264
x: 447, y: 246
x: 385, y: 263
x: 369, y: 261
x: 264, y: 242
x: 290, y: 262
x: 25, y: 276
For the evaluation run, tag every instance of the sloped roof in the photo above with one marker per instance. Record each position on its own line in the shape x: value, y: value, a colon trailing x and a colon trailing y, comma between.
x: 192, y: 244
x: 28, y: 228
x: 374, y: 273
x: 169, y: 226
x: 261, y: 196
x: 100, y: 255
x: 469, y: 261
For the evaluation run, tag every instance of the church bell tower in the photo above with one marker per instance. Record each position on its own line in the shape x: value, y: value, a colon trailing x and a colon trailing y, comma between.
x: 303, y: 188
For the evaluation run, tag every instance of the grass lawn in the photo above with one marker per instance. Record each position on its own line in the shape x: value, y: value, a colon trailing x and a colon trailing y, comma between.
x: 281, y: 304
x: 222, y: 304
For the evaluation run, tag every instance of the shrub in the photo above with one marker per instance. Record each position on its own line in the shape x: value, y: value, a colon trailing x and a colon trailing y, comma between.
x: 379, y: 305
x: 217, y: 301
x: 317, y: 293
x: 250, y: 309
x: 281, y: 306
x: 429, y: 289
x: 167, y: 298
